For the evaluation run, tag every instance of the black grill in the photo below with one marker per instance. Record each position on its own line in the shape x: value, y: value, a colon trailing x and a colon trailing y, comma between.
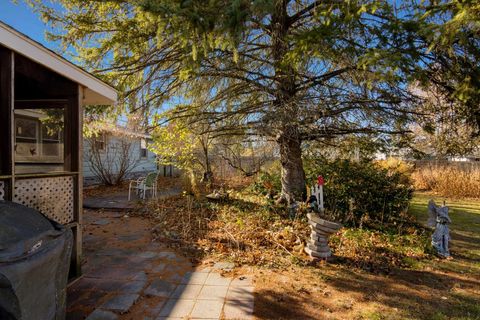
x: 34, y: 262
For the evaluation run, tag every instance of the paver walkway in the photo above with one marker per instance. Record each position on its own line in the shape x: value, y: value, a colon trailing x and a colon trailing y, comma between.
x: 119, y: 200
x: 127, y: 276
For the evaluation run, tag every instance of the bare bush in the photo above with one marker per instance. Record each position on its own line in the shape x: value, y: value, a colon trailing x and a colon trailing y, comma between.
x: 111, y: 163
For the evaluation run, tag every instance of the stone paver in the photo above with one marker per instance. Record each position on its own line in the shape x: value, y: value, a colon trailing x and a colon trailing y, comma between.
x: 125, y: 272
x: 167, y: 254
x: 216, y: 279
x: 175, y: 278
x: 140, y: 276
x: 147, y: 254
x: 189, y: 291
x: 160, y: 288
x: 116, y: 273
x: 242, y: 281
x: 238, y: 309
x: 213, y: 293
x: 159, y: 268
x: 130, y: 237
x: 194, y: 278
x: 177, y: 308
x: 207, y: 309
x: 92, y: 298
x: 120, y: 303
x: 239, y: 293
x: 102, y: 222
x: 100, y: 314
x: 133, y: 286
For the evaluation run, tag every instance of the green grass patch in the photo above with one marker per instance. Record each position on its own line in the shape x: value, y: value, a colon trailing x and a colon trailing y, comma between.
x: 465, y: 231
x: 465, y: 214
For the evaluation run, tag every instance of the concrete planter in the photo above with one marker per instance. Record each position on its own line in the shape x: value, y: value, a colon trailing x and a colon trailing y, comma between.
x: 317, y: 246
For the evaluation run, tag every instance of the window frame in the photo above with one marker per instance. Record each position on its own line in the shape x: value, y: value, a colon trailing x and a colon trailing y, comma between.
x: 40, y: 157
x: 100, y: 138
x: 143, y: 148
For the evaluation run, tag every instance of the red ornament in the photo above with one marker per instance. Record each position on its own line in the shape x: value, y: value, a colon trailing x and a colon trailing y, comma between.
x: 320, y: 181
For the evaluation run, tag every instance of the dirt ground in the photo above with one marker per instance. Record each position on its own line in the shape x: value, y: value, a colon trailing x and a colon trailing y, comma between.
x: 335, y: 292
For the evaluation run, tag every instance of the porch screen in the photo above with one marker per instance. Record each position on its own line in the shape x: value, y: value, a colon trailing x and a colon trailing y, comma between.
x: 39, y: 140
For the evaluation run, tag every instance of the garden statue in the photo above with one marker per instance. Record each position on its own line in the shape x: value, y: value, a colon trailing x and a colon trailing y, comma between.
x: 439, y: 219
x: 313, y: 203
x: 317, y: 246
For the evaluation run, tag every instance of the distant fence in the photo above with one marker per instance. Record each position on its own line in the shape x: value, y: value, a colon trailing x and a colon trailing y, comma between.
x: 250, y: 166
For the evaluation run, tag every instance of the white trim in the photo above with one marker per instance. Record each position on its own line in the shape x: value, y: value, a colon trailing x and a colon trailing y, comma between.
x: 96, y: 92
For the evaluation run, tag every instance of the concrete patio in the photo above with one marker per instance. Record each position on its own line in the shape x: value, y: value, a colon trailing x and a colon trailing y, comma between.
x: 129, y: 276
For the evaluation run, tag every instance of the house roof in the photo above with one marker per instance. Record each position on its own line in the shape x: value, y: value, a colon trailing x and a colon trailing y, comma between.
x: 115, y: 129
x: 95, y: 90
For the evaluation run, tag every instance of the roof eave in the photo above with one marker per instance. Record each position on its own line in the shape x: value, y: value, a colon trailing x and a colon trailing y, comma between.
x: 96, y: 91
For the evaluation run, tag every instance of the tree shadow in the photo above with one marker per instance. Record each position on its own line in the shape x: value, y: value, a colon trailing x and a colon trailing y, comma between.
x: 417, y: 294
x: 274, y: 305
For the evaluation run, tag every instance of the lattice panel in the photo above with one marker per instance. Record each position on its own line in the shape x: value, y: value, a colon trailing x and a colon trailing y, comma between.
x: 2, y: 190
x: 51, y: 196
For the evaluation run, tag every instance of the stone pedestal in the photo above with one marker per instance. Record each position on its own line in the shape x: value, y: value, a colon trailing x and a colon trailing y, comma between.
x: 317, y: 246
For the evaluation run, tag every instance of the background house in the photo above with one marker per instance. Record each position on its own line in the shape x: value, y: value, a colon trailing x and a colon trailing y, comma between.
x: 120, y: 149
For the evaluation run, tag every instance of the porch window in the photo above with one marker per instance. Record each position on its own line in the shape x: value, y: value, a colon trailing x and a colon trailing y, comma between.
x: 39, y: 140
x: 100, y: 141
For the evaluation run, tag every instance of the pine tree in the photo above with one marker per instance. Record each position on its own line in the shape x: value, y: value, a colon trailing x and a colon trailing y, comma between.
x: 290, y: 70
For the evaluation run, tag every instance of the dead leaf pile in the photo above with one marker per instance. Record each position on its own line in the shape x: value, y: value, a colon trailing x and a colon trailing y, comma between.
x: 243, y: 230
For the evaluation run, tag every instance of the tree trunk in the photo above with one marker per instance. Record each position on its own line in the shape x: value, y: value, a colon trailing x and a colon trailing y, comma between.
x: 207, y: 173
x: 193, y: 183
x: 293, y: 176
x: 286, y: 109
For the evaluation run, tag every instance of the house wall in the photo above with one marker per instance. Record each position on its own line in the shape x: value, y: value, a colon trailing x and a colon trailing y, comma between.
x: 113, y: 143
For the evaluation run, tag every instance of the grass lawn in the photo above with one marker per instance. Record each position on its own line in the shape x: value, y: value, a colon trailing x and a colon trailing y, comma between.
x: 465, y: 231
x: 465, y: 248
x: 465, y: 214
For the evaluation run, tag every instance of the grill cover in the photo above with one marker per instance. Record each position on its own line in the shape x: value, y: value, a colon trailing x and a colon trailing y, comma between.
x: 34, y: 262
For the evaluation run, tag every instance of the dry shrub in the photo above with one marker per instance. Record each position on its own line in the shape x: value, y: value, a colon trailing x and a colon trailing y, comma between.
x: 448, y: 181
x: 246, y: 230
x: 356, y: 192
x: 241, y: 229
x: 395, y: 165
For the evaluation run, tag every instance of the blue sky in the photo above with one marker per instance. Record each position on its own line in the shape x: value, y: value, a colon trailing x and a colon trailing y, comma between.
x: 21, y: 17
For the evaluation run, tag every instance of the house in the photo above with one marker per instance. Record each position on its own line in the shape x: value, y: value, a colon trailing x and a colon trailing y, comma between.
x: 42, y: 97
x: 113, y: 147
x: 116, y: 148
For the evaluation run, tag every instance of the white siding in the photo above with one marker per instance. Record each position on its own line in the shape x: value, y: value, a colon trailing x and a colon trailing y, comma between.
x: 147, y: 164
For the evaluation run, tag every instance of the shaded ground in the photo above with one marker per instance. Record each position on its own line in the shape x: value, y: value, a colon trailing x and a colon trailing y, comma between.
x: 119, y: 200
x: 127, y: 275
x: 116, y: 197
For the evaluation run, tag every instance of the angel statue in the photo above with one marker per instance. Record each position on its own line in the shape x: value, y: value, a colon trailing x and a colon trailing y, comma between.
x: 438, y: 219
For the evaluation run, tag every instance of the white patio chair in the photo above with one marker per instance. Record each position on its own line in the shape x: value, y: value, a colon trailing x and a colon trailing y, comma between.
x: 144, y: 184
